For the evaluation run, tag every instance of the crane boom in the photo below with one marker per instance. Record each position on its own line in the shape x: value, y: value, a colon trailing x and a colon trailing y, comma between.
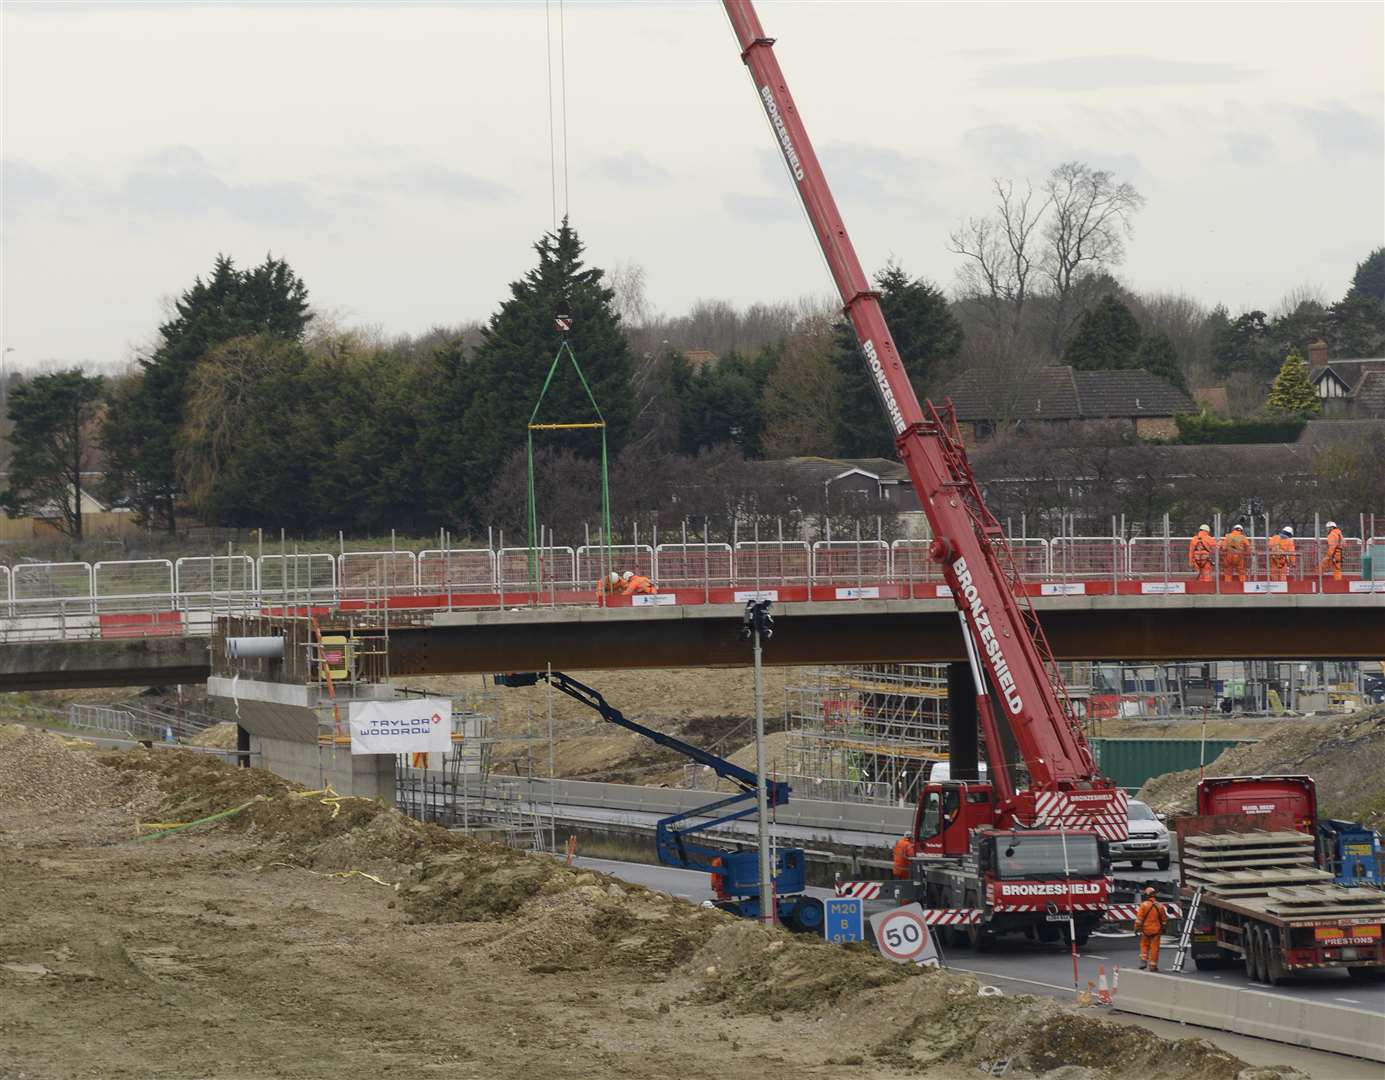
x: 1006, y: 643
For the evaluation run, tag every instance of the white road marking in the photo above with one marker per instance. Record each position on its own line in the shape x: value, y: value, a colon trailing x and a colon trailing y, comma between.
x: 1094, y: 956
x: 1352, y: 1001
x: 1011, y: 978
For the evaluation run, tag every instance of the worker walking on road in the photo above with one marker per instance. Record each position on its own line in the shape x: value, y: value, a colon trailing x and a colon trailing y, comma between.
x: 1235, y: 546
x: 1333, y: 559
x: 637, y: 585
x: 1282, y: 557
x: 1200, y: 550
x: 1150, y: 920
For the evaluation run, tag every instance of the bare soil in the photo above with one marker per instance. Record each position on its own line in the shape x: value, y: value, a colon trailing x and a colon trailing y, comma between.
x: 710, y: 707
x: 311, y: 936
x: 1345, y: 755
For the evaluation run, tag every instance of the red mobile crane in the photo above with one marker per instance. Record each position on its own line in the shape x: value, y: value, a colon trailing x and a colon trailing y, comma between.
x: 1012, y: 665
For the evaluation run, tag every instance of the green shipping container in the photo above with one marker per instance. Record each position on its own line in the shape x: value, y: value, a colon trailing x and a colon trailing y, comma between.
x: 1130, y: 762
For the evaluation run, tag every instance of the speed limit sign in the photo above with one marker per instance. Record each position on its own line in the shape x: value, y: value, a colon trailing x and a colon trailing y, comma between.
x: 902, y: 935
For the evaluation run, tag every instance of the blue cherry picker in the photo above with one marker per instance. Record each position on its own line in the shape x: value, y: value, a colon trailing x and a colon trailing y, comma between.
x: 735, y: 871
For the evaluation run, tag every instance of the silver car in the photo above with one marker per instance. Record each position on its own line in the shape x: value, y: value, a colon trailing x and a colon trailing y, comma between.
x: 1148, y: 840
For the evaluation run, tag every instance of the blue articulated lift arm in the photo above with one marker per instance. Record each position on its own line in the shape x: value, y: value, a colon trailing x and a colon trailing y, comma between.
x: 672, y: 843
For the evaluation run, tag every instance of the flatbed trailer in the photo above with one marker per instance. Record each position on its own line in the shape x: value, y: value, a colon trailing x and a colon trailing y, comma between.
x: 1265, y: 903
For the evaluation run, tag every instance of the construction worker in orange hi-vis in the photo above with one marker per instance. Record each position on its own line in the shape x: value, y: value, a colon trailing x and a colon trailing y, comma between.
x: 637, y: 585
x: 1200, y: 549
x: 1333, y: 559
x: 1235, y: 546
x: 904, y: 850
x: 1150, y: 920
x: 1282, y: 557
x: 609, y: 585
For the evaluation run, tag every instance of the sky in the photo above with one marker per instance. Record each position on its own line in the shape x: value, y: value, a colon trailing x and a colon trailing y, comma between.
x: 398, y: 155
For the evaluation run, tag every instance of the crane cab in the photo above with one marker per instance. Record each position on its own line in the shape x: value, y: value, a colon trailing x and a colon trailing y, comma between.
x: 948, y: 812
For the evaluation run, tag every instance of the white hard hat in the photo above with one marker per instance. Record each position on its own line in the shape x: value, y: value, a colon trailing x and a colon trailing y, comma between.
x: 627, y: 575
x: 1331, y: 524
x: 614, y: 577
x: 1204, y: 528
x: 1237, y: 528
x: 1288, y: 530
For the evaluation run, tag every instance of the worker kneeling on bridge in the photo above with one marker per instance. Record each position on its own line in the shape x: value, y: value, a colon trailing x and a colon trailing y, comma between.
x: 610, y: 585
x: 1150, y: 920
x: 637, y: 585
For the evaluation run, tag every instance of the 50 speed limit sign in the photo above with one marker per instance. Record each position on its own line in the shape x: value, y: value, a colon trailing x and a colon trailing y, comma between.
x: 902, y: 935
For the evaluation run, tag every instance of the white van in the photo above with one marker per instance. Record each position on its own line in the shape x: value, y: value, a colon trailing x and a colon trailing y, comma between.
x: 942, y: 770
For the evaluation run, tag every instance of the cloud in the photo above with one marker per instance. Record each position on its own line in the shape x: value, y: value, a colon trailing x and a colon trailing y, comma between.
x: 761, y: 209
x: 178, y: 180
x: 441, y: 181
x: 1005, y: 145
x: 1338, y: 129
x: 1248, y: 148
x: 1109, y: 72
x: 23, y: 182
x: 171, y: 181
x: 630, y: 168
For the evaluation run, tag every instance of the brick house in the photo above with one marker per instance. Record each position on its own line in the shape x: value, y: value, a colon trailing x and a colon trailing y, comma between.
x: 1064, y: 399
x: 1350, y: 389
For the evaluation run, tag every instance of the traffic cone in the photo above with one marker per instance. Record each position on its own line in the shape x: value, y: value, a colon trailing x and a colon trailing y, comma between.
x: 1103, y: 994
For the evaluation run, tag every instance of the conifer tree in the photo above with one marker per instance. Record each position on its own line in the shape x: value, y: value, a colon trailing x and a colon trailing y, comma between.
x: 1292, y: 392
x: 518, y: 345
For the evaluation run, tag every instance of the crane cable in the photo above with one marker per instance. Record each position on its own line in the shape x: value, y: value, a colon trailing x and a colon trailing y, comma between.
x: 562, y: 95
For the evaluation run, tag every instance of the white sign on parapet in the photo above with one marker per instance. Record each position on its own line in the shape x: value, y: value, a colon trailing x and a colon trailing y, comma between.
x: 414, y: 726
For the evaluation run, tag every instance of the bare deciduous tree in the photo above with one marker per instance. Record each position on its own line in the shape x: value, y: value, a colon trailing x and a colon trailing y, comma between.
x: 1089, y: 219
x: 999, y: 250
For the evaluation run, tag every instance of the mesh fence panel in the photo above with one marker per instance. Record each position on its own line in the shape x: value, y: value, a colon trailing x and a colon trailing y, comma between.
x: 691, y: 565
x: 1088, y: 556
x: 297, y: 577
x: 593, y: 560
x: 200, y: 578
x: 51, y: 587
x: 363, y: 574
x: 777, y: 562
x: 851, y: 560
x: 469, y: 570
x: 542, y: 568
x: 134, y: 585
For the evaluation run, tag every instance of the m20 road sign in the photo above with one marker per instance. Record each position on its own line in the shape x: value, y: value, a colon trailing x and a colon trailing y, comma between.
x: 842, y: 919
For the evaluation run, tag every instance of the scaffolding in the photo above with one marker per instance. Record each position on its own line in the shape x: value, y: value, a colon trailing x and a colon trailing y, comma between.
x: 868, y: 733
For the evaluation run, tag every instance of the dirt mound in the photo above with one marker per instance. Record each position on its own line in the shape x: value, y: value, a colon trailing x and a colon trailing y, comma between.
x: 43, y: 774
x: 218, y: 736
x: 756, y: 969
x: 1346, y: 760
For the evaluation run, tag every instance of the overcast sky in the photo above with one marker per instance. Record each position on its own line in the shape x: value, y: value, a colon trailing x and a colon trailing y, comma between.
x: 397, y: 154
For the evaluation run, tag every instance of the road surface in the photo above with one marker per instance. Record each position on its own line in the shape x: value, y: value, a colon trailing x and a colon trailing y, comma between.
x: 1034, y: 968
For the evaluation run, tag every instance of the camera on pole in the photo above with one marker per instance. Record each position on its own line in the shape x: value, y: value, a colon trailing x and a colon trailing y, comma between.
x: 757, y: 619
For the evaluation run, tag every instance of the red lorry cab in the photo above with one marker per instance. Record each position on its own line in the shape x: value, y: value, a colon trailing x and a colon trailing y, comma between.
x: 1294, y: 798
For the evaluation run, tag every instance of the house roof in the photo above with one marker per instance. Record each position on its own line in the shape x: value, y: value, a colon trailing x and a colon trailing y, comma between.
x: 1105, y: 394
x: 1370, y: 393
x: 1350, y: 373
x: 825, y: 469
x: 1060, y: 393
x: 1047, y: 393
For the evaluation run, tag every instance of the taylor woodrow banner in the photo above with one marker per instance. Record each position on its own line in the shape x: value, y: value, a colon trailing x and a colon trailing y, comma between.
x: 416, y: 726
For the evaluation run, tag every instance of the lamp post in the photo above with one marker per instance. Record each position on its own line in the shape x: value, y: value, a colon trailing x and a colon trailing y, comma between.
x: 758, y: 626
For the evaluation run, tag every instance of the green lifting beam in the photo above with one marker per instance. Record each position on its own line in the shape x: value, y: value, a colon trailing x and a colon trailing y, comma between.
x: 599, y: 424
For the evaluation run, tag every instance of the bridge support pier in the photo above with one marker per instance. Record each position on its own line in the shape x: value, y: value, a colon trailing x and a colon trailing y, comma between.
x: 962, y: 723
